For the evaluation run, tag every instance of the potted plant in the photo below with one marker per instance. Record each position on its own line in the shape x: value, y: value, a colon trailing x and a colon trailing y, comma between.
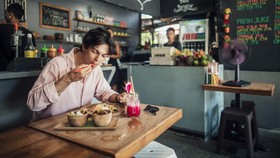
x: 226, y: 26
x: 227, y: 13
x: 226, y: 40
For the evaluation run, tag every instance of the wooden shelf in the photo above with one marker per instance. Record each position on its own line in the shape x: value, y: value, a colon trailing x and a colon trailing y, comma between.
x: 194, y: 40
x: 96, y: 23
x: 121, y: 36
x: 53, y: 41
x: 80, y: 31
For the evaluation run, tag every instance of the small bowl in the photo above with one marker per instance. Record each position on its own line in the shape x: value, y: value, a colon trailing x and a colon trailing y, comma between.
x: 77, y: 121
x: 102, y: 120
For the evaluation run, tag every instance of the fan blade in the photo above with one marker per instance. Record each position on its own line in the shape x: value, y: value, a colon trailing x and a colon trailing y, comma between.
x: 235, y: 52
x: 239, y: 58
x: 239, y: 45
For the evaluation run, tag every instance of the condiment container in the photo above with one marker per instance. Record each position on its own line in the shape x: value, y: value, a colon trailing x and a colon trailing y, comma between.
x: 51, y: 52
x: 44, y: 51
x: 60, y: 50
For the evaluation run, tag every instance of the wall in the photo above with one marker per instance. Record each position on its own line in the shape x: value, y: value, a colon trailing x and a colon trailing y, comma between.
x: 267, y: 108
x: 132, y: 18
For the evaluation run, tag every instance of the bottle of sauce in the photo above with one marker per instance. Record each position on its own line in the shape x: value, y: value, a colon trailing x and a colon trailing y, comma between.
x: 44, y: 51
x: 51, y: 52
x: 60, y: 50
x: 16, y: 42
x: 29, y: 50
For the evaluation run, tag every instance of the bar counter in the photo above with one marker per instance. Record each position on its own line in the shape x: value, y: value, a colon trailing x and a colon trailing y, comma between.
x: 180, y: 86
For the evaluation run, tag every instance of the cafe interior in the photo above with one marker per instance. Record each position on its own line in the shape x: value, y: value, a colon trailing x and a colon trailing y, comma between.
x: 214, y: 95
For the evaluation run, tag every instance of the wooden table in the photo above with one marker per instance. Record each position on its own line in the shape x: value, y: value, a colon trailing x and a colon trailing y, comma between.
x: 130, y: 136
x: 28, y: 142
x: 254, y: 89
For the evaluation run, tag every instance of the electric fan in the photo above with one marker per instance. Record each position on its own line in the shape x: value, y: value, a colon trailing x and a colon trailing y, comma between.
x: 236, y: 53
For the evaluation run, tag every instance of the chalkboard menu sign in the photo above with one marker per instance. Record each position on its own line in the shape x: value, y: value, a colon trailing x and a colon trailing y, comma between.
x: 54, y: 17
x: 257, y: 22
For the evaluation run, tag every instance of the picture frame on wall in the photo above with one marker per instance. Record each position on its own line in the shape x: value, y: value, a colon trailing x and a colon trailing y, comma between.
x: 22, y: 3
x: 54, y: 17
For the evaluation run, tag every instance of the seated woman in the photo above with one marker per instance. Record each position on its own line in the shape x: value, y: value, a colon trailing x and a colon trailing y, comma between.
x: 72, y: 80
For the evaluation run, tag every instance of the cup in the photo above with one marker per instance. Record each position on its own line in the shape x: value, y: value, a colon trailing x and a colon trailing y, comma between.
x: 133, y: 105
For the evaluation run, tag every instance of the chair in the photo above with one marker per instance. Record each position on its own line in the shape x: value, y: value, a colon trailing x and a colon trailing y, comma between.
x: 156, y: 150
x: 236, y: 130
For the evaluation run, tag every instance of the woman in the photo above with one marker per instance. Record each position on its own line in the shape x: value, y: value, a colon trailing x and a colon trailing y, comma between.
x: 115, y: 54
x: 70, y: 81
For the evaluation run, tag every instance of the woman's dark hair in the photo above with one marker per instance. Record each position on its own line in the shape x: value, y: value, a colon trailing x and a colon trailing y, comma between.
x: 98, y: 36
x: 16, y: 9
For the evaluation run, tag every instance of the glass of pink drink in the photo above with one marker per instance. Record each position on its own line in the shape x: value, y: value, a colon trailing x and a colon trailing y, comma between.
x: 133, y: 105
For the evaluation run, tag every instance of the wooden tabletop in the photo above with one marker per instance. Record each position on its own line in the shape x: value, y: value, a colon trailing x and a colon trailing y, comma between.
x: 254, y: 89
x: 28, y: 142
x: 130, y: 136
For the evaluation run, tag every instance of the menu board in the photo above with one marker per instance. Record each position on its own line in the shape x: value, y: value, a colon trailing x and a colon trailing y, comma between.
x: 54, y: 17
x: 257, y: 22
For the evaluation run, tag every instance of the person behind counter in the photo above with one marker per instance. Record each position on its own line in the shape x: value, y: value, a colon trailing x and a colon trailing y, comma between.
x: 170, y: 33
x: 115, y: 54
x: 12, y: 15
x: 72, y: 80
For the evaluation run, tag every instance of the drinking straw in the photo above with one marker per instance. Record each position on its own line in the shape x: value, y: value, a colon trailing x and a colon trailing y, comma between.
x: 133, y: 90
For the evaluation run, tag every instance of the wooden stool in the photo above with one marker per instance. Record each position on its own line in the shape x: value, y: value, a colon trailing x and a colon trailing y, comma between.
x: 231, y: 132
x: 250, y: 105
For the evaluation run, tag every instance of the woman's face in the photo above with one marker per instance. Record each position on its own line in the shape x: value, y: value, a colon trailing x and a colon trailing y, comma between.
x: 96, y: 55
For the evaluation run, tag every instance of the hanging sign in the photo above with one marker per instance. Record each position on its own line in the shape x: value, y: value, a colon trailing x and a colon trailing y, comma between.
x: 170, y: 8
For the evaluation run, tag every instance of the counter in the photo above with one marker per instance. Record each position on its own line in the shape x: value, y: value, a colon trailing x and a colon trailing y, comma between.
x: 180, y: 86
x: 14, y: 88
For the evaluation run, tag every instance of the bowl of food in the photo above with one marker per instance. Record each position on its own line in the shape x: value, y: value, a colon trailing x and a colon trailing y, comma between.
x: 117, y: 109
x: 77, y: 118
x: 102, y: 117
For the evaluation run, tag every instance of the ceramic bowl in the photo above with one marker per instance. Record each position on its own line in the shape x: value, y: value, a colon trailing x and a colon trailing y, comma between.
x: 77, y: 121
x: 102, y: 120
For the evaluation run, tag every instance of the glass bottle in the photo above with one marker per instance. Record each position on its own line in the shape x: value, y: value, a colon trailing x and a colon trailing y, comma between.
x: 44, y: 51
x: 29, y: 50
x: 16, y: 42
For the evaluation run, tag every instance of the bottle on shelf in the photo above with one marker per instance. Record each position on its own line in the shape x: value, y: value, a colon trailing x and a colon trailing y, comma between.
x: 52, y: 52
x: 44, y: 51
x: 60, y: 50
x: 16, y: 42
x: 29, y: 50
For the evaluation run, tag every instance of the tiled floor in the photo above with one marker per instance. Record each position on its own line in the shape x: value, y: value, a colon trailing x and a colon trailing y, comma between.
x: 189, y: 148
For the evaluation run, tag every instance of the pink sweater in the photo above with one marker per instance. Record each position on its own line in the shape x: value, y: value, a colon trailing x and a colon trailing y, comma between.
x: 43, y: 98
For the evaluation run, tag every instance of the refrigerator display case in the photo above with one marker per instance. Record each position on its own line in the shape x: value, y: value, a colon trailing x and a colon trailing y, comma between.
x: 194, y: 35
